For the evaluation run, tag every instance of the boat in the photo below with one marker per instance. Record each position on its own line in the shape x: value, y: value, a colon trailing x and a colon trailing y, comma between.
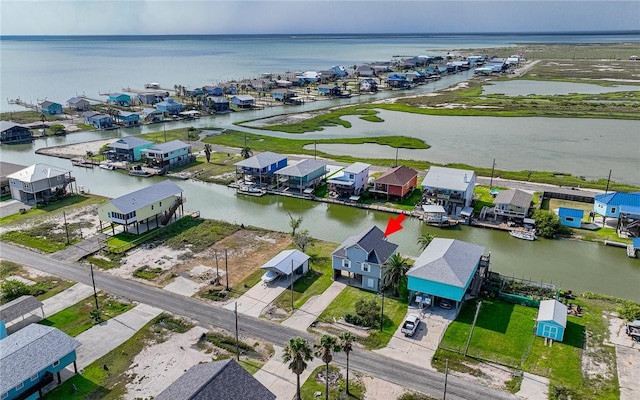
x: 107, y: 167
x: 524, y: 235
x: 81, y: 162
x: 251, y: 190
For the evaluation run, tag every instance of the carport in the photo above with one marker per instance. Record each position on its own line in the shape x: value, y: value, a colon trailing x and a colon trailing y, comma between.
x: 20, y: 307
x: 289, y: 264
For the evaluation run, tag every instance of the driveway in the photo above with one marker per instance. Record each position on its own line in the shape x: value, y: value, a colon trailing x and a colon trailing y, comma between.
x: 627, y: 359
x: 258, y: 297
x: 420, y: 348
x: 310, y: 311
x: 276, y: 376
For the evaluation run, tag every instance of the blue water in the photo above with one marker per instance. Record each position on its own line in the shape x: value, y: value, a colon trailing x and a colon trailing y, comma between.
x: 59, y: 67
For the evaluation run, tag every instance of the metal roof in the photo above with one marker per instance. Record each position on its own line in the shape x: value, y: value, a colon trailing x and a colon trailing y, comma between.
x: 166, y: 147
x: 431, y: 208
x: 357, y: 168
x: 128, y: 142
x: 9, y: 168
x: 553, y: 310
x: 570, y: 212
x: 146, y: 196
x: 261, y: 160
x: 619, y: 198
x: 447, y: 261
x: 514, y: 197
x: 29, y: 351
x: 629, y: 210
x: 38, y: 172
x: 18, y: 307
x: 220, y: 380
x: 448, y: 178
x: 397, y: 176
x: 283, y: 261
x: 302, y: 168
x: 6, y: 125
x: 244, y: 97
x: 373, y: 242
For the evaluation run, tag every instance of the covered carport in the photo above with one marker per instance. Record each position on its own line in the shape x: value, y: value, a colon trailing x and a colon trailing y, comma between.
x: 289, y: 264
x: 20, y: 307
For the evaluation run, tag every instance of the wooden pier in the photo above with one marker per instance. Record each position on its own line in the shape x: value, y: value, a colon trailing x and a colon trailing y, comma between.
x: 24, y: 104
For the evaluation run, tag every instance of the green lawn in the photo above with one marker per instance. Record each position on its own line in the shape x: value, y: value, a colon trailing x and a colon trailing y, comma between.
x: 317, y: 384
x: 170, y: 134
x: 394, y: 313
x: 77, y: 318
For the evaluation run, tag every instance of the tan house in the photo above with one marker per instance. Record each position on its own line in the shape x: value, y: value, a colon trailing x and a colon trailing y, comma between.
x: 144, y: 209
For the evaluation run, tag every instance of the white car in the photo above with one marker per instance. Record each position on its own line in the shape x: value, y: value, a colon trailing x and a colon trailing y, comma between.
x: 269, y: 276
x: 410, y: 325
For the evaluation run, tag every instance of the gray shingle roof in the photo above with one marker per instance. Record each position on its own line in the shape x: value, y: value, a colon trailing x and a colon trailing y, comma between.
x: 6, y: 125
x: 29, y: 351
x: 146, y: 196
x: 167, y: 147
x: 514, y: 197
x: 128, y: 142
x: 219, y: 380
x: 303, y: 168
x: 9, y: 168
x: 448, y: 178
x: 261, y: 160
x: 18, y: 307
x: 372, y: 241
x: 448, y: 261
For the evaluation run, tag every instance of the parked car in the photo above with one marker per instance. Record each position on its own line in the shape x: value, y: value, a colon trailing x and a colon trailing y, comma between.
x: 446, y: 304
x: 269, y: 276
x: 410, y: 325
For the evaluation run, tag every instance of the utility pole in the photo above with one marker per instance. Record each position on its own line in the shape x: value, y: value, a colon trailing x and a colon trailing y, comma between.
x: 472, y: 326
x: 95, y: 294
x: 446, y: 375
x: 237, y: 343
x: 396, y: 157
x: 493, y: 167
x: 226, y: 268
x: 66, y: 227
x: 217, y: 271
x: 314, y: 149
x: 608, y: 180
x: 291, y: 286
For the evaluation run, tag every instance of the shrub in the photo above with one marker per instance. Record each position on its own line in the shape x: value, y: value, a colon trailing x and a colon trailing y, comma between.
x: 12, y: 289
x: 354, y: 319
x: 547, y: 223
x: 369, y: 311
x: 629, y: 311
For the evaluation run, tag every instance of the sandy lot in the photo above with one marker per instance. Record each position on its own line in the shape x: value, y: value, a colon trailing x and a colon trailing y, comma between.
x: 87, y: 216
x: 75, y: 150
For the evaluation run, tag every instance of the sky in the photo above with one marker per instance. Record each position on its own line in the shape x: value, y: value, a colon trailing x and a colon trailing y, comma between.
x: 176, y: 17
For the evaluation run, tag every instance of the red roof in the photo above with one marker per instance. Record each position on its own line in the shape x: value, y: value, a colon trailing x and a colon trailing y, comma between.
x: 397, y: 176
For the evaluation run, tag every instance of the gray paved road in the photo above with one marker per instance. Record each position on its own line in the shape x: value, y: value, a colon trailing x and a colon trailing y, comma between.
x: 403, y: 374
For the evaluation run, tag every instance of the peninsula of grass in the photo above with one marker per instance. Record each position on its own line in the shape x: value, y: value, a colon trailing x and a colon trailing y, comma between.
x: 76, y: 319
x: 318, y: 122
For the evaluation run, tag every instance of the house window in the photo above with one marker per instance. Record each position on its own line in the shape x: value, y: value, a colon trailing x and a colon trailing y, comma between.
x: 20, y: 386
x: 613, y: 210
x: 55, y: 363
x: 346, y: 263
x: 370, y: 282
x: 569, y: 219
x: 34, y: 377
x: 4, y: 395
x: 352, y: 176
x: 152, y: 206
x: 160, y: 204
x: 366, y: 267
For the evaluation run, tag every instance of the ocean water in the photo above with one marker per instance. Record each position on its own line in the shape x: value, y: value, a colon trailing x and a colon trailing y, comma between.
x: 59, y: 67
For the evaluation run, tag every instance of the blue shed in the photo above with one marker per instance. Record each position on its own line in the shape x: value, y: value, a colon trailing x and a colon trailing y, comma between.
x: 120, y: 99
x: 50, y: 108
x: 608, y: 205
x: 570, y: 216
x: 552, y: 320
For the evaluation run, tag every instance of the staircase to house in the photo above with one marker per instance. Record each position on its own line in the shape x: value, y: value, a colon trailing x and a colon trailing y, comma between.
x: 165, y: 220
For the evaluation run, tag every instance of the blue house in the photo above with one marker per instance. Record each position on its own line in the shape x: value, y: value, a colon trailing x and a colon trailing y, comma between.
x: 120, y: 99
x: 552, y: 320
x: 329, y: 90
x: 446, y: 269
x: 128, y: 149
x: 283, y: 95
x: 50, y: 108
x: 127, y: 118
x: 306, y: 174
x: 213, y: 90
x: 31, y: 357
x: 99, y: 121
x: 398, y: 81
x: 361, y: 258
x: 217, y: 104
x: 608, y: 205
x: 261, y: 167
x: 570, y: 216
x: 170, y: 154
x: 169, y: 106
x: 243, y: 101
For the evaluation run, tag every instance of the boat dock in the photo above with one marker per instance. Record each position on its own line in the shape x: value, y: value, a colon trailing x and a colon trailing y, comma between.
x: 24, y: 104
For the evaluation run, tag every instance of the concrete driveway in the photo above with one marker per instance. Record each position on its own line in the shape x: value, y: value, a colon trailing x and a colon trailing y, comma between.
x: 258, y: 297
x: 420, y: 348
x: 310, y: 311
x: 276, y: 376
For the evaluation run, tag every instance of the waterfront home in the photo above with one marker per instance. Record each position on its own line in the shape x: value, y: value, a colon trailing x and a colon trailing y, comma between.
x: 40, y: 183
x: 168, y: 155
x: 303, y: 176
x: 288, y: 265
x: 30, y: 357
x: 449, y: 187
x: 78, y: 104
x: 243, y: 101
x: 144, y: 209
x: 220, y: 380
x: 283, y: 83
x: 361, y: 258
x: 151, y: 98
x: 195, y: 92
x: 329, y: 90
x: 571, y: 217
x: 216, y: 104
x: 339, y: 70
x: 398, y: 182
x: 327, y: 76
x: 127, y: 149
x: 169, y: 106
x: 368, y: 85
x: 213, y: 90
x: 398, y: 81
x: 7, y: 169
x: 352, y: 182
x: 629, y: 222
x: 609, y: 204
x: 512, y: 204
x: 551, y: 321
x: 283, y: 95
x: 365, y: 70
x: 152, y: 115
x: 97, y: 120
x: 10, y: 132
x: 261, y: 167
x: 310, y: 76
x: 447, y: 269
x: 127, y: 118
x: 120, y: 99
x: 50, y: 108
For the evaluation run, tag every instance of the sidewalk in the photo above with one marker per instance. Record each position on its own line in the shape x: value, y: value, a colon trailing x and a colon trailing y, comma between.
x: 276, y: 376
x: 310, y: 311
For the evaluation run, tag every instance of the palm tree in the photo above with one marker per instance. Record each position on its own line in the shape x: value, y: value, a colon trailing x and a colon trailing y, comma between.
x: 424, y: 240
x: 324, y: 349
x: 394, y: 271
x: 297, y: 352
x: 346, y: 346
x: 207, y: 152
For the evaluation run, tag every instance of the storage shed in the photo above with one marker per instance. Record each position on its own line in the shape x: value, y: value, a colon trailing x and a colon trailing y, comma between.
x: 552, y: 320
x: 570, y: 216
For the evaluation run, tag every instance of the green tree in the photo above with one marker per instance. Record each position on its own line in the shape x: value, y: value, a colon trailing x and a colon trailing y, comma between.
x: 294, y: 223
x: 346, y: 346
x: 302, y: 239
x: 547, y: 223
x: 325, y: 348
x: 207, y: 152
x: 424, y: 240
x: 369, y: 311
x: 394, y: 271
x: 297, y: 352
x: 57, y: 129
x: 12, y: 289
